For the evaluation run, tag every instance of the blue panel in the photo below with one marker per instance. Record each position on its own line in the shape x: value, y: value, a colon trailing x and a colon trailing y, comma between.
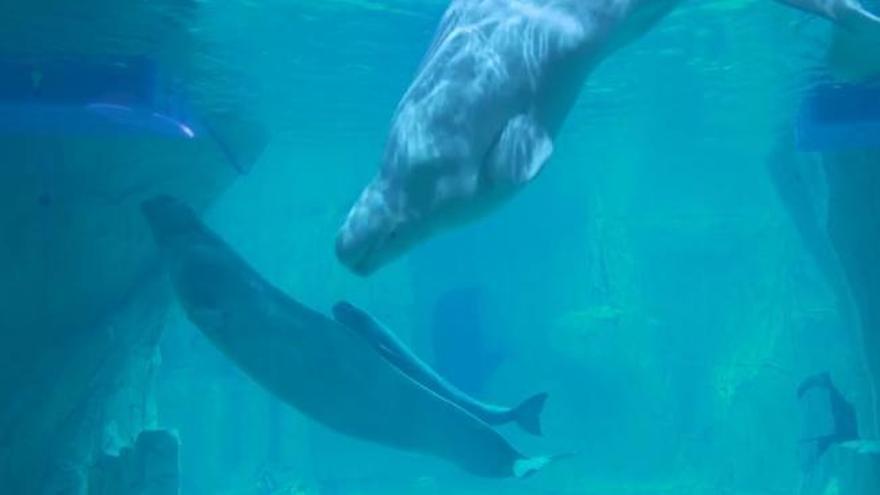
x: 840, y: 117
x: 70, y: 97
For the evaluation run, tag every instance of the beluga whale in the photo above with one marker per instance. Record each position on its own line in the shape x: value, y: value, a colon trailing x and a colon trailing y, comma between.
x: 325, y: 370
x: 479, y: 120
x: 526, y: 415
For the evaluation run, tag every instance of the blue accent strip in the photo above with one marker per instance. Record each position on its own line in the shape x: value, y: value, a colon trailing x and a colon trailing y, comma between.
x: 70, y: 97
x: 840, y: 117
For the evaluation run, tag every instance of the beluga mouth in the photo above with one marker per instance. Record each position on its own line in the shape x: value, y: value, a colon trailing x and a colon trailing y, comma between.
x: 357, y: 260
x: 365, y: 258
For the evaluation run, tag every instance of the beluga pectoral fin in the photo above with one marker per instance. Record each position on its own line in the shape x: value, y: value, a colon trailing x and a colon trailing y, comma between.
x: 527, y: 414
x: 379, y: 337
x: 519, y: 155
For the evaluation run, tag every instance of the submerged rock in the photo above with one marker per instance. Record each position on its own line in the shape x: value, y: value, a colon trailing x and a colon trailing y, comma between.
x: 852, y: 468
x: 858, y: 467
x: 150, y: 467
x: 80, y: 313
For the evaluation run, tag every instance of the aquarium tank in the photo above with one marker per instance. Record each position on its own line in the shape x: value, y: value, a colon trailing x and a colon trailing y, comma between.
x: 424, y: 247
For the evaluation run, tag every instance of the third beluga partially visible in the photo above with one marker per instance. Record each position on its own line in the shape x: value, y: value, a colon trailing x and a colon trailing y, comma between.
x: 527, y: 415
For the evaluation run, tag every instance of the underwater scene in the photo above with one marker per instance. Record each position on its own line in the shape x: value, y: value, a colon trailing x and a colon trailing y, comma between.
x: 425, y: 247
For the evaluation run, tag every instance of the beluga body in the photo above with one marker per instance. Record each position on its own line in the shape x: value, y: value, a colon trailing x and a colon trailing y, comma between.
x: 527, y: 414
x: 479, y: 120
x: 316, y: 365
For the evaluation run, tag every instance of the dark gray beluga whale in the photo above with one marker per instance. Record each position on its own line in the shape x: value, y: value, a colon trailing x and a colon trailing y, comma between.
x: 526, y: 415
x: 318, y: 366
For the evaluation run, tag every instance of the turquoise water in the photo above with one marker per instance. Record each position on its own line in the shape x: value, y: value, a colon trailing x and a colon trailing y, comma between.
x: 651, y: 281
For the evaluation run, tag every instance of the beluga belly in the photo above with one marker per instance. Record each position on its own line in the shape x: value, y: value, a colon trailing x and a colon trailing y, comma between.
x: 316, y: 365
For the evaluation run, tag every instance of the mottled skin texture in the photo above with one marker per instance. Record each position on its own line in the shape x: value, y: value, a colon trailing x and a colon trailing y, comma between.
x: 314, y: 364
x: 478, y: 121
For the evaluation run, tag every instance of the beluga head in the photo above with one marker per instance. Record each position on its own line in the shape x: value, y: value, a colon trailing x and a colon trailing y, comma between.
x: 415, y: 197
x: 474, y: 127
x: 380, y: 226
x: 396, y: 212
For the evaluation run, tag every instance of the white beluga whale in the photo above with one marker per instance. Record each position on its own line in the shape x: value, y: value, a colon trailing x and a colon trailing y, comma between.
x: 323, y: 369
x: 478, y: 121
x: 526, y: 415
